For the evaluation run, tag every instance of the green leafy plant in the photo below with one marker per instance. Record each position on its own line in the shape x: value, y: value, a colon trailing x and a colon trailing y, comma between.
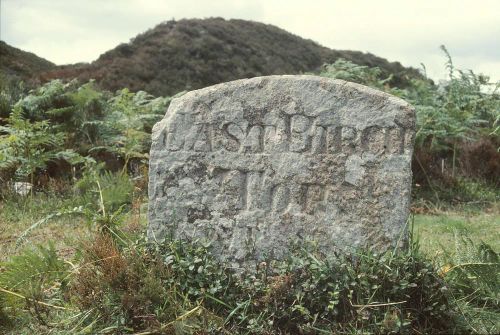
x: 474, y: 270
x: 102, y: 189
x: 26, y: 146
x: 11, y: 91
x: 361, y: 74
x: 36, y: 280
x: 463, y: 108
x: 67, y: 122
x: 125, y: 131
x: 70, y: 106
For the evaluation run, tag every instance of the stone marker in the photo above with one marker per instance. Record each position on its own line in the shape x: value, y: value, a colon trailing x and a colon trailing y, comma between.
x: 252, y: 165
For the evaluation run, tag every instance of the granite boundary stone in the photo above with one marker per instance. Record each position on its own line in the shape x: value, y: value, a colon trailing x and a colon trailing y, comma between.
x: 255, y: 164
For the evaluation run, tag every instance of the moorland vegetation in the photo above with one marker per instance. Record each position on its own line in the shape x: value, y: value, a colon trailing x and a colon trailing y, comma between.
x: 84, y: 152
x: 190, y: 54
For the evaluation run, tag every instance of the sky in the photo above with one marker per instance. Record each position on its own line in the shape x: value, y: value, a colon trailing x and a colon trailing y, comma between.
x: 408, y: 31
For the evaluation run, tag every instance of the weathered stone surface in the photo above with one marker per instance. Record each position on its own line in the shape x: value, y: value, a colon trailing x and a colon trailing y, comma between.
x: 252, y: 165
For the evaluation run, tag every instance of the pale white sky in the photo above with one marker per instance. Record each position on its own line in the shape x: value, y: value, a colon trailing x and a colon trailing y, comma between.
x: 409, y: 31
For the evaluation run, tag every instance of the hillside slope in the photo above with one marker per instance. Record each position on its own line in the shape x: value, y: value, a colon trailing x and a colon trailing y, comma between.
x: 15, y: 62
x: 194, y: 53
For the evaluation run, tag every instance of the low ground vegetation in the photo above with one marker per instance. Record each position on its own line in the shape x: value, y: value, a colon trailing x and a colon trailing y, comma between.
x: 115, y: 282
x: 74, y: 258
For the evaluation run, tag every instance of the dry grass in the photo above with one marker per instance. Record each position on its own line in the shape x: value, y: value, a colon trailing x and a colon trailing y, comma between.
x: 17, y: 217
x: 67, y: 232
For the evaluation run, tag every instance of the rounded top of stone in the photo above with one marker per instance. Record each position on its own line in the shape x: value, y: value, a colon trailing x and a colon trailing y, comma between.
x: 294, y: 80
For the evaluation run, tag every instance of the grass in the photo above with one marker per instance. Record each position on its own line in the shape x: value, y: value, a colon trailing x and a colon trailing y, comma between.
x: 454, y: 238
x: 436, y: 233
x: 135, y: 275
x: 17, y: 214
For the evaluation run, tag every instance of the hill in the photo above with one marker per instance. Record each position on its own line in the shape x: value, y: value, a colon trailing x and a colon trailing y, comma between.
x: 15, y: 62
x: 194, y: 53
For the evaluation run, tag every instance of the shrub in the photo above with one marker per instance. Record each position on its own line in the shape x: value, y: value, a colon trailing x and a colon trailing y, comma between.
x: 153, y: 289
x: 26, y: 146
x: 128, y: 290
x: 60, y: 122
x: 377, y: 293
